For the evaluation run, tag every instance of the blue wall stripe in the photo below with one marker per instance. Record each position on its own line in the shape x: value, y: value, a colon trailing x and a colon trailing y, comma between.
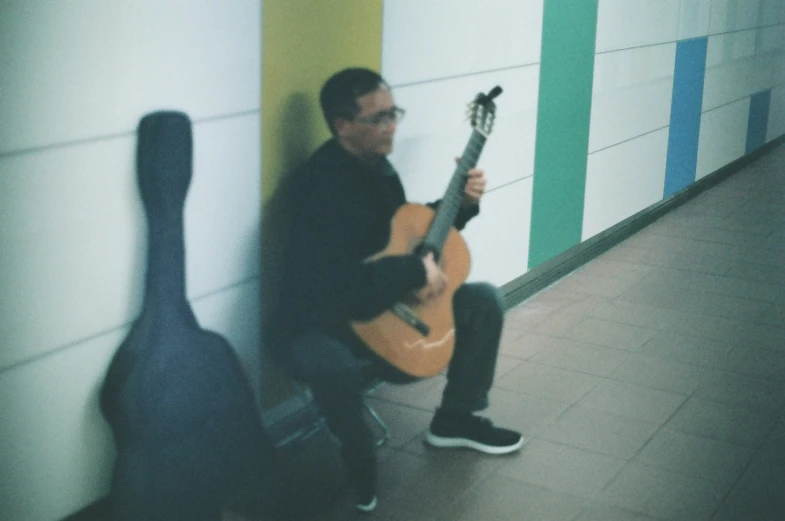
x: 682, y: 161
x: 759, y: 120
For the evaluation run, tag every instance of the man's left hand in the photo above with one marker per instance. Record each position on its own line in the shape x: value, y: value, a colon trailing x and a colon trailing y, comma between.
x: 475, y: 187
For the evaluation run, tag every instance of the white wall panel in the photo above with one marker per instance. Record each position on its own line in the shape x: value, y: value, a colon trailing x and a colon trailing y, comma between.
x: 223, y: 208
x: 623, y: 180
x: 776, y: 113
x: 438, y: 39
x: 723, y: 136
x: 498, y: 238
x: 734, y: 15
x: 234, y: 314
x: 771, y: 39
x: 772, y: 12
x: 694, y: 18
x: 57, y: 452
x: 73, y: 239
x: 631, y: 94
x: 771, y: 48
x: 436, y: 130
x: 735, y: 68
x: 74, y: 233
x: 85, y: 68
x: 622, y: 24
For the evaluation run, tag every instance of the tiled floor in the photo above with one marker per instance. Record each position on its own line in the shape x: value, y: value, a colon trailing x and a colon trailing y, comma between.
x: 650, y: 385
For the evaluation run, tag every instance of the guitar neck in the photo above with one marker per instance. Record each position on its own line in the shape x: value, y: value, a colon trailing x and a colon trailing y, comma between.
x: 451, y: 203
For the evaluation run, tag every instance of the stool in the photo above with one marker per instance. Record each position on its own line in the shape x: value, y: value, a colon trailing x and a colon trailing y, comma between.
x: 320, y: 424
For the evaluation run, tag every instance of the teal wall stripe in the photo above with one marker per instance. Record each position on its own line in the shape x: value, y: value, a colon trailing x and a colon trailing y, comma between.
x: 563, y: 113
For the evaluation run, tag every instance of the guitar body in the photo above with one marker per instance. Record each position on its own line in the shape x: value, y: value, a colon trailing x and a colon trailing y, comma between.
x: 419, y: 338
x: 392, y: 338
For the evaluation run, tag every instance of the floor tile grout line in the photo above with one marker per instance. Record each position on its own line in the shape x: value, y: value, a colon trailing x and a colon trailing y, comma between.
x: 445, y: 510
x: 709, y: 315
x: 731, y: 345
x: 743, y: 473
x: 718, y: 292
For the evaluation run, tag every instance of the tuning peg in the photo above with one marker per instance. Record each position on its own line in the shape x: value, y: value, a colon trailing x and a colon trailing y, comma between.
x: 494, y: 92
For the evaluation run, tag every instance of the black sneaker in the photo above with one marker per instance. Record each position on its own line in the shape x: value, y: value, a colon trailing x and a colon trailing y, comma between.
x: 362, y: 478
x: 365, y: 495
x: 473, y: 432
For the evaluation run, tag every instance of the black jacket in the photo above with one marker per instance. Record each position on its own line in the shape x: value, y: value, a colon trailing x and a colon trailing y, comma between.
x: 342, y: 210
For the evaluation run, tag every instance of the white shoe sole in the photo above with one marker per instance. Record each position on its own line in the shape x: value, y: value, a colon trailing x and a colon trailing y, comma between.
x: 369, y: 507
x: 454, y: 443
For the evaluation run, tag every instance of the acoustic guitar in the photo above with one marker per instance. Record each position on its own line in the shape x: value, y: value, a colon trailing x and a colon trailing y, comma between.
x: 419, y: 338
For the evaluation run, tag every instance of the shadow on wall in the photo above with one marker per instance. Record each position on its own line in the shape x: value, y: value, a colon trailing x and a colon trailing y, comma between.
x: 296, y: 140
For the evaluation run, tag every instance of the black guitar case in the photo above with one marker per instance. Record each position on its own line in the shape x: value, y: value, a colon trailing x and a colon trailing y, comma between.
x: 186, y: 426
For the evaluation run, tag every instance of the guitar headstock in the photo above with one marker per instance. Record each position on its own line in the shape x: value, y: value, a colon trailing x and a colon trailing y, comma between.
x: 482, y: 111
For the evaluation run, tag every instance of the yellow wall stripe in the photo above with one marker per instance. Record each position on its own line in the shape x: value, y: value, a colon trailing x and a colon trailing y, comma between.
x: 303, y: 43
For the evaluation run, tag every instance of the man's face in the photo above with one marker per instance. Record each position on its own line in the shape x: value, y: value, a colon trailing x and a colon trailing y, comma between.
x: 370, y: 134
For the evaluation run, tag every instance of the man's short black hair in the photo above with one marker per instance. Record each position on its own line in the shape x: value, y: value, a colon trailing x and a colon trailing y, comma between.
x: 339, y: 94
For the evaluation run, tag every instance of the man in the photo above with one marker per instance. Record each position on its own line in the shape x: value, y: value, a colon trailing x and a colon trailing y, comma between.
x: 346, y: 195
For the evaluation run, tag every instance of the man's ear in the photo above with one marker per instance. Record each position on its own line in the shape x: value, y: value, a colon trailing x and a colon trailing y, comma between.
x: 340, y: 125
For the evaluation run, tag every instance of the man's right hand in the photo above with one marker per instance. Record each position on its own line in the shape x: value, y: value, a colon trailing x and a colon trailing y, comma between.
x: 435, y: 280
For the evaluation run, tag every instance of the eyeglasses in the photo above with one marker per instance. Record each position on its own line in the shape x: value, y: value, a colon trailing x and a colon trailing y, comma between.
x: 383, y: 118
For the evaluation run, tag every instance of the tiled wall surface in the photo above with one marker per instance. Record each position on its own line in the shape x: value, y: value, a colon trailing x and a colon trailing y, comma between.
x: 435, y: 67
x: 77, y: 77
x: 628, y: 24
x: 634, y: 85
x: 723, y: 133
x: 438, y: 56
x: 623, y: 179
x: 776, y: 123
x: 431, y: 41
x: 631, y: 94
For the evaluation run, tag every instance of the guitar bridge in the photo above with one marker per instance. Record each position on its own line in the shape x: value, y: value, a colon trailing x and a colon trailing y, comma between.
x: 406, y: 314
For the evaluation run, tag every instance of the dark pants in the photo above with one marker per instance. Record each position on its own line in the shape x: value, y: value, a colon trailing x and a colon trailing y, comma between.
x: 337, y: 372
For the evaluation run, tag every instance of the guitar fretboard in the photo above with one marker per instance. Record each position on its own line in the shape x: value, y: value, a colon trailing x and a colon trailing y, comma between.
x: 453, y: 198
